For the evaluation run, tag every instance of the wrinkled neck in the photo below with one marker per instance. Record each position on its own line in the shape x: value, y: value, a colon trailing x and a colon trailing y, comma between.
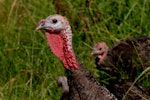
x: 68, y: 49
x: 61, y: 45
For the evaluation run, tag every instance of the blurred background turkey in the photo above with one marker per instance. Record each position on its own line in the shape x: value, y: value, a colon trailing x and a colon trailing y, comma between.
x: 130, y: 57
x: 124, y: 61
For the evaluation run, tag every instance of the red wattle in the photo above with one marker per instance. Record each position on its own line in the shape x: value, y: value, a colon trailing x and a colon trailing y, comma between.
x: 56, y: 44
x: 58, y: 47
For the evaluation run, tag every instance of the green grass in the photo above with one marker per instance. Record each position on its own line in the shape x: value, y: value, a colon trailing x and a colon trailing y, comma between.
x: 27, y: 66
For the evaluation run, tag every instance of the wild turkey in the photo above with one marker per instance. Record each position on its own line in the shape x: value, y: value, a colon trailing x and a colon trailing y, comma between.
x: 127, y: 56
x: 120, y: 59
x: 82, y: 85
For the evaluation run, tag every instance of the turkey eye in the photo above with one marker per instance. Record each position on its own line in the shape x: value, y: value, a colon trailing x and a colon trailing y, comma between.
x: 54, y: 21
x: 100, y: 48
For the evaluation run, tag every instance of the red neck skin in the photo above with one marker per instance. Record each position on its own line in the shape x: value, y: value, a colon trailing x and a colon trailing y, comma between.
x: 61, y: 46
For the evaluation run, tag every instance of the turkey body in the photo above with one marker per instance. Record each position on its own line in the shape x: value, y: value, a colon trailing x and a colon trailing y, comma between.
x: 137, y: 91
x: 82, y: 84
x: 86, y: 86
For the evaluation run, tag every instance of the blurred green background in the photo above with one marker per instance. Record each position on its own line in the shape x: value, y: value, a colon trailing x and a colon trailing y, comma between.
x: 28, y: 69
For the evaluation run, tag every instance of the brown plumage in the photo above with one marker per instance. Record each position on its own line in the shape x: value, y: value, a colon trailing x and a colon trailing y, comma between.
x: 82, y: 85
x: 120, y: 87
x: 122, y: 61
x: 128, y: 56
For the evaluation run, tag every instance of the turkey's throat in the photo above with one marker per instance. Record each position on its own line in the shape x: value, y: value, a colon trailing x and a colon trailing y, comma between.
x: 60, y: 48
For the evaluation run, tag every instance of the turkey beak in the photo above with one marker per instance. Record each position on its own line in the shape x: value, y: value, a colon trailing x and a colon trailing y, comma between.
x: 93, y: 52
x: 42, y: 25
